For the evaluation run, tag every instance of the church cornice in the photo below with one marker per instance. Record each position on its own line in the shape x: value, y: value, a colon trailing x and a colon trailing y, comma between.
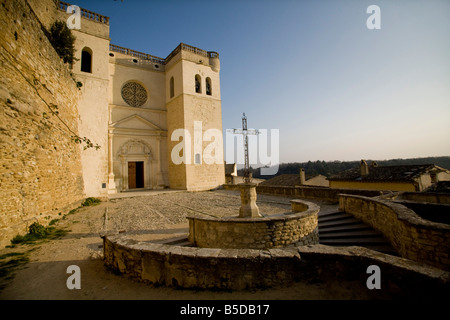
x: 153, y: 127
x: 115, y: 106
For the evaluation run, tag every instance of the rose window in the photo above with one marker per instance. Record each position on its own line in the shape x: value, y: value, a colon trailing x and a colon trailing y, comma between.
x: 134, y: 94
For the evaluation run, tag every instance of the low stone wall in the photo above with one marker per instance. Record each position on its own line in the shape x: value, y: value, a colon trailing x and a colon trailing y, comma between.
x: 237, y: 269
x: 412, y: 236
x: 257, y: 233
x: 399, y: 277
x: 430, y: 197
x: 435, y: 212
x: 313, y: 193
x: 190, y: 267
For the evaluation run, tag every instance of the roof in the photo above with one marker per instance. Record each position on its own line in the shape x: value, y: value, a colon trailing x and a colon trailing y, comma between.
x: 287, y: 180
x: 405, y: 173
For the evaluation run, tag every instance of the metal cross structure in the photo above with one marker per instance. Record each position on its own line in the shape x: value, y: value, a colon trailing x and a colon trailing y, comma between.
x: 245, y: 132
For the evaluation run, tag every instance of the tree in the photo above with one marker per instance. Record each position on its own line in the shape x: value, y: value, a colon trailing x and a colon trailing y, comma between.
x: 63, y: 41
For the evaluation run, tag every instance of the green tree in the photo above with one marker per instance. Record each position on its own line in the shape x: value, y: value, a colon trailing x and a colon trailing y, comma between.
x: 63, y: 41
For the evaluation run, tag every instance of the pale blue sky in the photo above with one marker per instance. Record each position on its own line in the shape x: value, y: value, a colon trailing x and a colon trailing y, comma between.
x: 312, y: 69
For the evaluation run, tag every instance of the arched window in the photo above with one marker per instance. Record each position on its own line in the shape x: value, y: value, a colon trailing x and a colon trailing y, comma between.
x: 172, y: 87
x: 208, y: 86
x: 198, y: 84
x: 86, y: 60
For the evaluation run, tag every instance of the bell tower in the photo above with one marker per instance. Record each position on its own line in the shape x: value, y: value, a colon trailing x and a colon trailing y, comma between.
x: 194, y: 118
x: 91, y: 70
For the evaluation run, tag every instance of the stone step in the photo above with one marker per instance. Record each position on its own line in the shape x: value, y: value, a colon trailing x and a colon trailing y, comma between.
x: 354, y: 241
x: 369, y: 233
x: 329, y: 213
x: 343, y: 221
x: 342, y: 229
x: 336, y: 216
x: 335, y: 227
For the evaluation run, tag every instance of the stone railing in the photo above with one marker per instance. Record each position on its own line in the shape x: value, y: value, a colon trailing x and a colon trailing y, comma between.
x: 137, y: 54
x: 186, y: 47
x: 412, y: 236
x: 145, y: 56
x: 86, y: 13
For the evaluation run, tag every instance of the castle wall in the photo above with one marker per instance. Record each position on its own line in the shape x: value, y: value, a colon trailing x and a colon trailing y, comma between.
x: 40, y: 171
x: 45, y: 10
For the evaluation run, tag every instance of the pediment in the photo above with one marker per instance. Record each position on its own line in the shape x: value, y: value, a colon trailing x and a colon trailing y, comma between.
x: 135, y: 122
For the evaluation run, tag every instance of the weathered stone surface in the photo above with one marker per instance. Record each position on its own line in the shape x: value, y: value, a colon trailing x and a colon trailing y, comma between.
x: 238, y: 269
x: 412, y: 236
x: 40, y: 167
x: 248, y: 208
x: 299, y: 228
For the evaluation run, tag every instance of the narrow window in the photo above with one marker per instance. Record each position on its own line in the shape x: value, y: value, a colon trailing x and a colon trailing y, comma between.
x: 208, y: 86
x: 197, y: 158
x: 172, y: 87
x: 86, y: 60
x: 198, y: 84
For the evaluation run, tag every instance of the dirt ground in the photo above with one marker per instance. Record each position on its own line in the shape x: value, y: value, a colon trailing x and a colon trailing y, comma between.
x: 146, y: 217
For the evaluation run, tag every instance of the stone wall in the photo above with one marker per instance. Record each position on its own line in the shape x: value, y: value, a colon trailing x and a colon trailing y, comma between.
x: 431, y: 197
x: 412, y: 236
x: 237, y: 269
x: 40, y: 171
x: 189, y: 267
x: 300, y: 227
x: 430, y: 211
x: 399, y: 277
x: 314, y: 193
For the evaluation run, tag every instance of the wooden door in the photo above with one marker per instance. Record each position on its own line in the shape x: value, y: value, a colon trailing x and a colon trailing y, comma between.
x: 131, y: 175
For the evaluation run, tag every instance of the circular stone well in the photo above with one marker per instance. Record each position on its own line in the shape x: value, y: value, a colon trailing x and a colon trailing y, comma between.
x: 226, y: 253
x: 297, y: 227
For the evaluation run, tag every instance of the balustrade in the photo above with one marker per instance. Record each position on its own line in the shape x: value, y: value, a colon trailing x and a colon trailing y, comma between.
x: 86, y: 13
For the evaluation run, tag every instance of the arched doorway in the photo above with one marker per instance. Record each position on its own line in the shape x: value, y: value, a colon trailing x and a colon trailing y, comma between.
x: 136, y: 158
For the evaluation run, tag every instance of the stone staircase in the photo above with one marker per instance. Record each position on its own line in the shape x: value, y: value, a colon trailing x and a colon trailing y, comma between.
x: 342, y: 229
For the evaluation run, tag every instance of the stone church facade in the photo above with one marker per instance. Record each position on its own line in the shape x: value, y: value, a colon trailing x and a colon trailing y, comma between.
x: 131, y: 104
x: 157, y: 121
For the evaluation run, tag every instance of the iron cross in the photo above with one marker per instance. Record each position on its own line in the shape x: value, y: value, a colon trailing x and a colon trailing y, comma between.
x: 245, y: 132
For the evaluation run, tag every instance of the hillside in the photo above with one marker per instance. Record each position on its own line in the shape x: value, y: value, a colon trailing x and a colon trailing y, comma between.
x: 328, y: 168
